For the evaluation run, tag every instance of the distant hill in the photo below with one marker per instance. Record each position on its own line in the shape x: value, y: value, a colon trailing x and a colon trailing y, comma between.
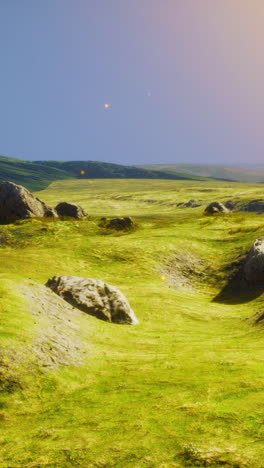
x: 103, y: 170
x: 33, y: 176
x: 37, y: 175
x: 245, y: 173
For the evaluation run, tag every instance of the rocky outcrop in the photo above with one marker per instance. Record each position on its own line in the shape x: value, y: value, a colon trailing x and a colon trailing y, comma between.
x: 16, y: 202
x: 190, y: 204
x: 253, y: 206
x: 94, y: 297
x: 230, y: 205
x: 120, y: 223
x: 70, y: 209
x: 216, y: 207
x: 254, y: 264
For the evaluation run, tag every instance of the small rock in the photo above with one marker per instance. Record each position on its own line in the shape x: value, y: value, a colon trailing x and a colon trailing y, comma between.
x: 230, y: 205
x: 70, y: 209
x: 120, y: 223
x: 192, y: 204
x: 216, y: 207
x: 189, y: 204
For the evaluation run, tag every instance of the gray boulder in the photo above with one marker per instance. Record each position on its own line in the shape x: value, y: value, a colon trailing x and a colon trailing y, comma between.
x: 70, y: 209
x: 253, y: 206
x: 216, y: 207
x: 190, y: 204
x: 254, y: 264
x: 16, y: 202
x: 94, y: 297
x: 120, y: 223
x: 230, y: 205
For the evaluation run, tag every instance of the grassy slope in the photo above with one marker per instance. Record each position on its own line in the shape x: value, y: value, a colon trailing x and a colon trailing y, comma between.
x: 184, y: 388
x: 39, y: 174
x: 219, y: 172
x: 101, y: 170
x: 32, y: 176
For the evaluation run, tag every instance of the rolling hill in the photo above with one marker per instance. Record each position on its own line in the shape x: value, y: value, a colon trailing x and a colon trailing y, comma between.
x: 31, y: 175
x: 239, y: 174
x: 38, y: 175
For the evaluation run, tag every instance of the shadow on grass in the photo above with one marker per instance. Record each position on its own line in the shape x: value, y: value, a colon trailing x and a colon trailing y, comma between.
x: 238, y: 290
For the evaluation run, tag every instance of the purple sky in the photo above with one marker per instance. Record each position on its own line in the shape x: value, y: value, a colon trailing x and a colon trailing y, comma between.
x: 184, y: 80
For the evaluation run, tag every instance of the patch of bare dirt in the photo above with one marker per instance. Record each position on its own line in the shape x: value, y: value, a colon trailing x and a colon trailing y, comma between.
x: 60, y: 339
x: 182, y: 269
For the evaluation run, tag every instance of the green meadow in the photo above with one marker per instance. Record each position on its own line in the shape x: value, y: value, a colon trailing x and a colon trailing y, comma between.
x: 185, y: 387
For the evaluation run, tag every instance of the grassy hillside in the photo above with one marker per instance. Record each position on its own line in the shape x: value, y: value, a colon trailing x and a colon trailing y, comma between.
x: 219, y: 172
x: 30, y: 175
x: 102, y: 170
x: 184, y: 388
x: 39, y: 174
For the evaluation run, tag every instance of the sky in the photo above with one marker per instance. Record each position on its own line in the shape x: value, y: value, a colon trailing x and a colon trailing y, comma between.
x: 183, y: 80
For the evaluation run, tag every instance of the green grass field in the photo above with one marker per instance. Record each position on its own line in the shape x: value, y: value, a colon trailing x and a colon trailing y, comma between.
x: 184, y: 388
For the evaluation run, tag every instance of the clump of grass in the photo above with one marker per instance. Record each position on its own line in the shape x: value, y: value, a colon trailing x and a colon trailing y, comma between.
x: 214, y: 456
x: 9, y: 377
x: 4, y: 237
x: 182, y: 269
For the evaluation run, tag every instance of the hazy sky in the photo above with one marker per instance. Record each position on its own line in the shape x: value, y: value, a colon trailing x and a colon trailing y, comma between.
x: 184, y: 80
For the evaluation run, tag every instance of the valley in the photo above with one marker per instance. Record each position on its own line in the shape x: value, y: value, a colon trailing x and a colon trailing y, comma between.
x: 184, y: 387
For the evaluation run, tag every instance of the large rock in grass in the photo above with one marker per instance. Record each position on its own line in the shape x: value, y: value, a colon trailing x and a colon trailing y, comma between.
x: 216, y: 207
x: 256, y: 206
x: 16, y: 202
x: 70, y: 209
x: 94, y: 297
x: 254, y: 264
x: 121, y: 223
